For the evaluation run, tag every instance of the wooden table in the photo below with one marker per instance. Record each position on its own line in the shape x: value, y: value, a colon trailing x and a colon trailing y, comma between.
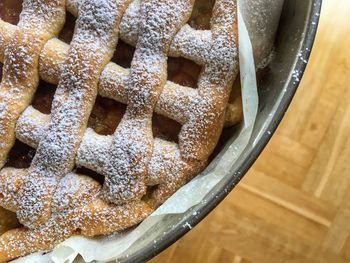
x: 294, y: 205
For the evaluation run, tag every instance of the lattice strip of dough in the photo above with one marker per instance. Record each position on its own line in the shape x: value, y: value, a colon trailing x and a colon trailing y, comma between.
x: 189, y: 43
x: 166, y: 166
x: 92, y: 47
x: 77, y: 210
x: 196, y: 98
x: 118, y: 89
x: 132, y: 145
x: 39, y: 22
x: 113, y: 83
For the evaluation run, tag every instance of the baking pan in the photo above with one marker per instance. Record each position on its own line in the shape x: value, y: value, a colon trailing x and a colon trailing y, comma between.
x: 293, y: 45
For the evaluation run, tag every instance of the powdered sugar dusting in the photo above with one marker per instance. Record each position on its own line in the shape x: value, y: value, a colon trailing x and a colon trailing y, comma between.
x: 32, y: 126
x: 39, y: 22
x: 188, y: 42
x: 165, y: 167
x: 92, y: 47
x: 77, y: 209
x: 132, y: 148
x: 207, y: 112
x: 51, y: 199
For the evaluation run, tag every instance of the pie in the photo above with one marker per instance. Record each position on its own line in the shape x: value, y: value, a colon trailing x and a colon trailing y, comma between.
x: 96, y: 133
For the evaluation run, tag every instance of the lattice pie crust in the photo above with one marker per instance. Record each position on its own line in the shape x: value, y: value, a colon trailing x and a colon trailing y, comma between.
x: 51, y: 199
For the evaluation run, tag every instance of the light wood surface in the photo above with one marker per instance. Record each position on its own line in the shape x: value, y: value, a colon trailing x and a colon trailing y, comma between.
x: 294, y: 205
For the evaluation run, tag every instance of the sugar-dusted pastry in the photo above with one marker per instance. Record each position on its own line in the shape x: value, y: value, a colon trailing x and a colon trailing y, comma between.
x: 91, y: 144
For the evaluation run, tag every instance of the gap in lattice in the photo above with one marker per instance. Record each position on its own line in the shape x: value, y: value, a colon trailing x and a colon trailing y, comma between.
x: 87, y: 172
x: 66, y: 34
x: 43, y: 97
x: 183, y: 72
x: 150, y: 190
x: 106, y: 115
x: 123, y: 54
x: 202, y: 14
x: 165, y: 128
x: 10, y: 11
x: 20, y: 156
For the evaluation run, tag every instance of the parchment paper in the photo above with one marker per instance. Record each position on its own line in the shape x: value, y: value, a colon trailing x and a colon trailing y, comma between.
x: 261, y: 18
x: 261, y: 26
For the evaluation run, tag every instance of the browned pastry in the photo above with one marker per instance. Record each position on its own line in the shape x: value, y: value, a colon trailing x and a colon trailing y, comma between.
x: 52, y: 198
x: 76, y: 210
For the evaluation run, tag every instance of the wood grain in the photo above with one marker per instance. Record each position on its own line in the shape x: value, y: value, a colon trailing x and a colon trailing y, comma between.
x: 293, y: 206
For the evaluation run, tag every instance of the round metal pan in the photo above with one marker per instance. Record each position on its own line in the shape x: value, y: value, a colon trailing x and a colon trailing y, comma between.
x: 293, y: 45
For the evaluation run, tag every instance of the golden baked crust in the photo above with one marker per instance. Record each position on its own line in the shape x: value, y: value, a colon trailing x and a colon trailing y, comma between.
x: 51, y: 199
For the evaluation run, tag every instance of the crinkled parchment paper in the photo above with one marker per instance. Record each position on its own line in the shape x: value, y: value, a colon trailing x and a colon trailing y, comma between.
x: 260, y: 18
